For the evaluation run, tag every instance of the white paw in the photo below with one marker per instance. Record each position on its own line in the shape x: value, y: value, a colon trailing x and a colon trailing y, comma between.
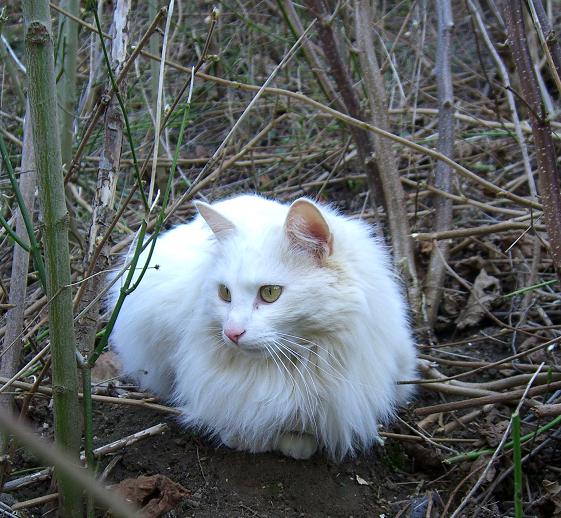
x: 297, y: 446
x: 231, y: 441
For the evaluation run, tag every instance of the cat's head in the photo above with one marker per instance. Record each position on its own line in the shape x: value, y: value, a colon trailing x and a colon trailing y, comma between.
x: 274, y: 284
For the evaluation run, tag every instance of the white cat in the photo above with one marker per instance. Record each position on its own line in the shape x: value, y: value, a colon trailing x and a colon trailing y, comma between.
x: 274, y: 327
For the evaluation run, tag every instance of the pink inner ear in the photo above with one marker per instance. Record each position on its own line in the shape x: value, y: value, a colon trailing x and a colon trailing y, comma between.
x: 307, y: 229
x: 319, y: 231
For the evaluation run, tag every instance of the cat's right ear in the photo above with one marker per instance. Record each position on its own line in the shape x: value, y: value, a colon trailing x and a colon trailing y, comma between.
x: 220, y: 226
x: 307, y: 229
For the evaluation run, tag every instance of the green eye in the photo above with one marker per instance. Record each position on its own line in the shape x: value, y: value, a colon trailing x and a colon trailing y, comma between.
x: 270, y: 293
x: 224, y: 293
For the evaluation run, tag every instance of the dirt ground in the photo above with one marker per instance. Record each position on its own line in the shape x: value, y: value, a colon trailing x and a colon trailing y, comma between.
x: 400, y: 479
x: 228, y: 483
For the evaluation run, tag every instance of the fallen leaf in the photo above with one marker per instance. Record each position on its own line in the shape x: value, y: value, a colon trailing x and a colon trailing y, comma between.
x: 155, y: 495
x: 480, y: 464
x: 553, y: 493
x: 493, y: 431
x: 107, y: 367
x: 361, y: 481
x: 486, y: 288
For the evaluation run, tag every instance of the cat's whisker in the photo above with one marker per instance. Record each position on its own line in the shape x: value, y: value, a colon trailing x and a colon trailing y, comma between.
x: 335, y: 373
x: 313, y: 344
x: 319, y: 357
x: 277, y: 359
x: 295, y: 384
x: 310, y: 402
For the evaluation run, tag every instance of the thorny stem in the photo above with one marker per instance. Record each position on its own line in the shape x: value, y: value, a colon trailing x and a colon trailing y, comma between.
x: 548, y: 174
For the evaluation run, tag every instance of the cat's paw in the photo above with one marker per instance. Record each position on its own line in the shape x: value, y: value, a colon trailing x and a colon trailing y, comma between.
x: 298, y: 446
x: 231, y: 441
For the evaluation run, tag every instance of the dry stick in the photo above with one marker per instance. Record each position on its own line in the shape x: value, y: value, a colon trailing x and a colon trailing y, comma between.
x: 129, y: 197
x: 159, y: 105
x: 351, y: 121
x: 546, y: 42
x: 489, y: 387
x: 53, y: 455
x: 34, y: 502
x: 476, y: 231
x: 48, y: 391
x: 484, y: 400
x: 528, y: 367
x: 112, y: 447
x: 106, y: 98
x: 344, y: 82
x: 551, y: 38
x: 490, y: 365
x: 104, y: 199
x: 311, y: 56
x: 548, y: 174
x: 463, y: 199
x: 478, y: 121
x: 442, y: 179
x: 466, y: 173
x: 10, y: 351
x: 394, y: 195
x: 547, y: 410
x: 481, y: 478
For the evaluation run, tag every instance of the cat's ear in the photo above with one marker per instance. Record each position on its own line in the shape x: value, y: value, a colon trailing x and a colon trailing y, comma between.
x: 220, y: 225
x: 307, y: 229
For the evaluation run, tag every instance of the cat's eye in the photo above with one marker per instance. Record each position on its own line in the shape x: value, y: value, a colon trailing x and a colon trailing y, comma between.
x: 224, y: 293
x: 270, y: 293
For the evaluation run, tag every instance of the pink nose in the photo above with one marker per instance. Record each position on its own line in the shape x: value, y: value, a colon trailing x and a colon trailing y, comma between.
x: 234, y: 333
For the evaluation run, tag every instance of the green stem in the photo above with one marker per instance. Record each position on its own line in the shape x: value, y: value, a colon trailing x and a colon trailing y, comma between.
x: 517, y: 460
x: 39, y: 54
x: 88, y: 429
x: 33, y: 248
x: 473, y: 455
x: 123, y: 293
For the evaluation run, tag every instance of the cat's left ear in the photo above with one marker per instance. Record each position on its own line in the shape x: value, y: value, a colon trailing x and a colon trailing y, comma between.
x: 220, y: 225
x: 307, y: 229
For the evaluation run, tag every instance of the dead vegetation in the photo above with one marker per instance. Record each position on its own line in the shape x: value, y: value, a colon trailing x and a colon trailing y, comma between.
x: 445, y: 135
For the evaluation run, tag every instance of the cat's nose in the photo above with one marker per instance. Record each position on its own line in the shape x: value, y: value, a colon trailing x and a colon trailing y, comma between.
x: 234, y: 333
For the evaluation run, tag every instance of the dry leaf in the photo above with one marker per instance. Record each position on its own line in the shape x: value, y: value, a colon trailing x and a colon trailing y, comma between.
x: 361, y: 481
x: 107, y: 367
x: 486, y: 288
x: 553, y: 493
x: 479, y: 465
x: 154, y: 495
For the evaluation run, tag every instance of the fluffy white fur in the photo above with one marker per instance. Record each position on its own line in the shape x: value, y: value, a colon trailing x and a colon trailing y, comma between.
x: 317, y: 367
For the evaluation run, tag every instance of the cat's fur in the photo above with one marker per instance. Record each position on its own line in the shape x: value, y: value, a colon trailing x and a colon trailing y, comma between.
x: 317, y: 367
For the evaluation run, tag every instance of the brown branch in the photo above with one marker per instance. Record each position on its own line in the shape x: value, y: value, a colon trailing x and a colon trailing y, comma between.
x: 548, y: 174
x: 394, y: 195
x: 513, y: 395
x: 476, y: 231
x: 341, y: 75
x: 442, y: 179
